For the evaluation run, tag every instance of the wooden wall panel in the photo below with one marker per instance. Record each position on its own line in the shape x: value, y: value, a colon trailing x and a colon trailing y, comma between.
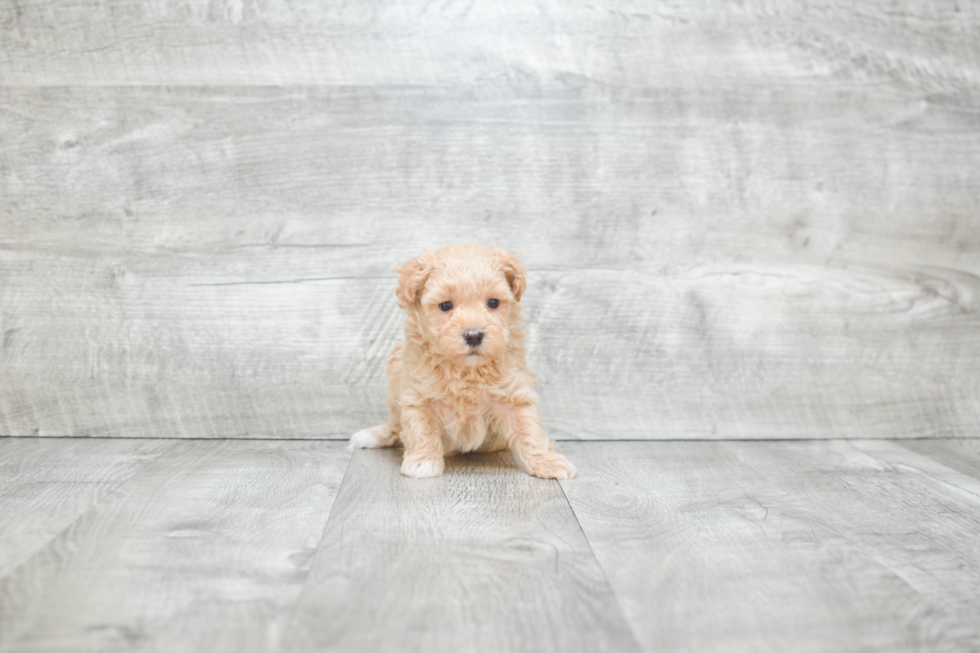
x: 740, y: 222
x: 572, y: 178
x: 151, y: 344
x: 627, y: 43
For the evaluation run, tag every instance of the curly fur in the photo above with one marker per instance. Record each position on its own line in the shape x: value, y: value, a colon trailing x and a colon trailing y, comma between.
x: 447, y: 395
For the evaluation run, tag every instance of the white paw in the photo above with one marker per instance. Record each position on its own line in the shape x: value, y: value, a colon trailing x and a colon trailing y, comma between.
x: 372, y: 438
x: 423, y: 468
x: 565, y: 474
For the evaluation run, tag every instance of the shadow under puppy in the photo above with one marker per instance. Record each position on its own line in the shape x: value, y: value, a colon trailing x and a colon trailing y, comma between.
x: 459, y: 382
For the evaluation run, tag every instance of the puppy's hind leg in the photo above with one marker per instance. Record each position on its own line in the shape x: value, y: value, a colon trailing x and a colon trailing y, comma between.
x: 375, y: 437
x: 385, y: 435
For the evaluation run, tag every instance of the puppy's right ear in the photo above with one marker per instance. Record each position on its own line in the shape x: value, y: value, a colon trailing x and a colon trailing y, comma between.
x: 411, y: 279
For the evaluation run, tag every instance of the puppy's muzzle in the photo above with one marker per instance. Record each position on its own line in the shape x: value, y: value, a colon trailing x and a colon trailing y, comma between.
x: 473, y: 337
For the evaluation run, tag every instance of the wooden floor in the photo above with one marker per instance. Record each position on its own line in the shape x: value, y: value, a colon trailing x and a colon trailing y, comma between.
x: 249, y: 545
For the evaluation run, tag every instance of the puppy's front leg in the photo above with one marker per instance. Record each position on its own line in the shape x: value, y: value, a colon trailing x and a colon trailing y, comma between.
x: 527, y: 438
x: 424, y: 456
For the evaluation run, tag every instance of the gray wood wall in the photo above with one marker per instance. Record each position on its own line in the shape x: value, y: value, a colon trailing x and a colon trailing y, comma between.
x: 741, y: 219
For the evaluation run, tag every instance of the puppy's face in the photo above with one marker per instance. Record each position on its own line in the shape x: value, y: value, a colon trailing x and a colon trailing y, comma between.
x: 462, y: 297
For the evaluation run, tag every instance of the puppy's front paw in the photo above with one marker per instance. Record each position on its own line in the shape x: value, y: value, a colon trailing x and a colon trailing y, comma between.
x: 553, y: 466
x: 423, y: 467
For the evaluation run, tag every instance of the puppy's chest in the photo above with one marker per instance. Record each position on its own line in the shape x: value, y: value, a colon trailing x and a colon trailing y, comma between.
x: 465, y: 423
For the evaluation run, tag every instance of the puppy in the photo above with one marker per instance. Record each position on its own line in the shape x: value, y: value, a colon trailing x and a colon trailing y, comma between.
x: 459, y: 382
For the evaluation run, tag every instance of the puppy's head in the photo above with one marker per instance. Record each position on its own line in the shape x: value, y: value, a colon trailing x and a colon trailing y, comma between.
x: 463, y: 300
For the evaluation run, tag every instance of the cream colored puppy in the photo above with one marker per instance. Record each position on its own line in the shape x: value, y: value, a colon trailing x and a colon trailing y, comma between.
x: 459, y: 381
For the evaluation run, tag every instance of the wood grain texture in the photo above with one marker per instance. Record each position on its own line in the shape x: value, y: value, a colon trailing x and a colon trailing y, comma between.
x: 940, y: 468
x: 921, y: 526
x: 206, y: 548
x: 612, y: 43
x: 779, y: 546
x: 484, y: 558
x: 217, y: 262
x: 741, y: 220
x: 591, y: 177
x: 656, y: 546
x: 49, y: 483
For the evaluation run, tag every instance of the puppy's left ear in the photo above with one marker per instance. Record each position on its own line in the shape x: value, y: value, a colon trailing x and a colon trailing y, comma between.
x: 514, y: 272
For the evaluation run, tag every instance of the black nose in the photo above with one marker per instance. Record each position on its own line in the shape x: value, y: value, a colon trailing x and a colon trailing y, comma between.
x: 473, y: 337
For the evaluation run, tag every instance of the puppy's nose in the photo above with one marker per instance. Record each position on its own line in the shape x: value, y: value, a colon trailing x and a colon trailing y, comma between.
x: 473, y: 337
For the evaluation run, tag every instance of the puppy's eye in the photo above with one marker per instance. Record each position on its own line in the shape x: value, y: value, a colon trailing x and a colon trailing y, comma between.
x: 446, y: 306
x: 493, y: 303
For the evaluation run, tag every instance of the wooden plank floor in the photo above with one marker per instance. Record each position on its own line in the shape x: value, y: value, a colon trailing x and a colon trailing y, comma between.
x: 257, y: 545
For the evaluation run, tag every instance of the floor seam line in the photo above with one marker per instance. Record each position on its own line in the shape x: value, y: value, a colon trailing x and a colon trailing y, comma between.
x: 323, y: 533
x: 602, y: 570
x: 86, y: 512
